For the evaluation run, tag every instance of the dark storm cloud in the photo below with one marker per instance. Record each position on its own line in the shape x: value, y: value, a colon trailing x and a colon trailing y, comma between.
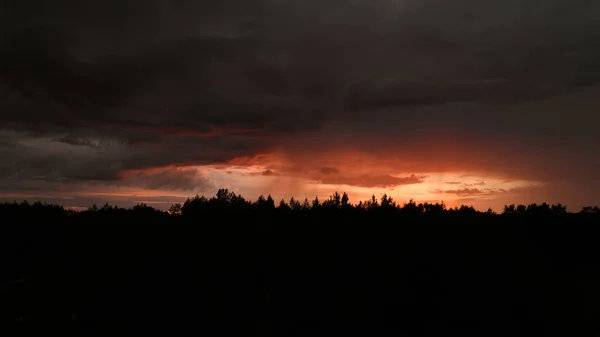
x: 89, y: 89
x: 285, y: 66
x: 371, y: 180
x: 169, y: 180
x: 38, y: 158
x: 127, y: 69
x: 89, y: 158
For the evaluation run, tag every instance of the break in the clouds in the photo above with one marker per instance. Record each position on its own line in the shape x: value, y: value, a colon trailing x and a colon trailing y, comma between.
x: 364, y: 94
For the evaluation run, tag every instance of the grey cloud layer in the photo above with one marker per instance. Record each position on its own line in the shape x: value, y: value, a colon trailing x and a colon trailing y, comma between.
x: 76, y: 78
x: 286, y: 65
x: 46, y: 158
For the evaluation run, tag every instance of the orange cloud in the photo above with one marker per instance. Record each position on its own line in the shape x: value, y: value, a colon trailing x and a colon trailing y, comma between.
x: 182, y: 131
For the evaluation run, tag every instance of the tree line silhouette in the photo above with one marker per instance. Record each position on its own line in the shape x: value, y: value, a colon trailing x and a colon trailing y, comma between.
x: 227, y: 266
x: 226, y: 200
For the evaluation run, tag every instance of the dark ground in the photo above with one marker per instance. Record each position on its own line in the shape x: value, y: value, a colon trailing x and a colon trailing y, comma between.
x: 248, y: 272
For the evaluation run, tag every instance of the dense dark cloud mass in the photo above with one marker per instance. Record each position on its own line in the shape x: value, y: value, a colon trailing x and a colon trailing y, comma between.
x: 90, y: 89
x: 170, y: 180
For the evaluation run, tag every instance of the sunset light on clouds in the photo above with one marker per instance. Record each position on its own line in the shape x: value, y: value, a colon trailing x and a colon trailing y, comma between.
x: 300, y: 167
x: 413, y: 99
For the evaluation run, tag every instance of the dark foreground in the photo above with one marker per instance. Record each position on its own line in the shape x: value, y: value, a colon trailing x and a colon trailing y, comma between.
x: 326, y: 272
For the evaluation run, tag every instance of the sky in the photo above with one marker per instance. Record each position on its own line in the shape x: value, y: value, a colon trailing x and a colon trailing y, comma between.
x: 465, y: 101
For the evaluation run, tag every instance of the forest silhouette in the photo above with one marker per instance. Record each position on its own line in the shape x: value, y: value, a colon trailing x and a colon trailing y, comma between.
x: 226, y: 266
